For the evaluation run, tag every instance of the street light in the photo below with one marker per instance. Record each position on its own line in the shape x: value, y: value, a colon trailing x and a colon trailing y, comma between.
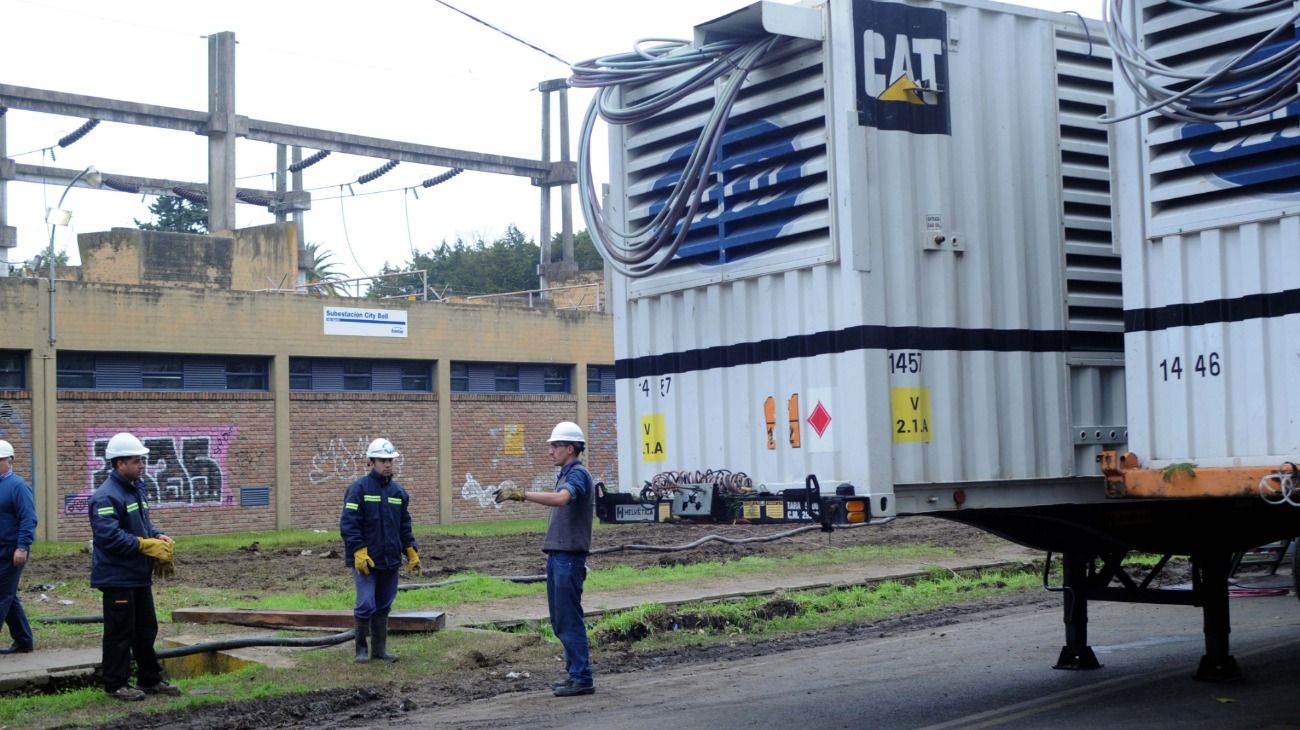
x: 56, y: 217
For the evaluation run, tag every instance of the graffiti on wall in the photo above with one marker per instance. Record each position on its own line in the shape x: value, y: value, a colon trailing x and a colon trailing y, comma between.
x: 344, y: 458
x: 12, y: 420
x: 485, y: 495
x: 185, y: 466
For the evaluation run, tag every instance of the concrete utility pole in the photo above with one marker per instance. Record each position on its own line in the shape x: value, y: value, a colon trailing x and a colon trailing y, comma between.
x: 8, y: 234
x: 223, y: 126
x: 549, y: 273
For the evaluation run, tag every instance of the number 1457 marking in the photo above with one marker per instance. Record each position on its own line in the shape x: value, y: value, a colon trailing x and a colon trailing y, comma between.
x: 665, y: 384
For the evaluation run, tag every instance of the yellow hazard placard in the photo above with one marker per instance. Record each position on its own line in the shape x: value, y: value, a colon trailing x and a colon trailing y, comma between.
x: 910, y: 411
x: 653, y: 438
x: 775, y: 510
x: 514, y: 433
x: 665, y: 511
x: 753, y: 510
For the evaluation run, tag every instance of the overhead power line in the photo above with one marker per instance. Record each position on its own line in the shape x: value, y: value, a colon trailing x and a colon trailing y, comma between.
x: 503, y: 32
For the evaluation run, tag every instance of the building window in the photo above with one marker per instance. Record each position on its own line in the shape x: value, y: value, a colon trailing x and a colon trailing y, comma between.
x: 555, y: 378
x: 12, y: 371
x: 507, y: 378
x: 246, y: 375
x: 416, y: 376
x: 299, y: 374
x: 356, y: 375
x: 600, y: 379
x: 162, y: 373
x: 112, y: 371
x: 459, y: 377
x: 76, y: 371
x: 501, y: 377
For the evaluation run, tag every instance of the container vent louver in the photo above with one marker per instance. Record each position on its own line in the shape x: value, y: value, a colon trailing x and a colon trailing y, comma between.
x: 1092, y: 268
x: 770, y: 184
x: 1191, y: 167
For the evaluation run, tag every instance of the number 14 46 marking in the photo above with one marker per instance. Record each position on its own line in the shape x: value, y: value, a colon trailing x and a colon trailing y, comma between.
x: 1206, y: 365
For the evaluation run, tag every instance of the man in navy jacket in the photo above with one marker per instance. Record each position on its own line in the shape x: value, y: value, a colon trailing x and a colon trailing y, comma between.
x: 376, y: 530
x: 17, y: 530
x: 126, y: 544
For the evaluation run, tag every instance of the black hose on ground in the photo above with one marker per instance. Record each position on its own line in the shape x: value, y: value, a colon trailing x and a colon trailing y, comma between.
x: 70, y: 620
x: 244, y: 643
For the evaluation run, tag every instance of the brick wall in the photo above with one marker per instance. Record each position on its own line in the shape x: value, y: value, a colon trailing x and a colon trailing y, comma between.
x: 16, y: 428
x: 602, y: 440
x: 496, y: 437
x: 210, y: 453
x: 329, y: 433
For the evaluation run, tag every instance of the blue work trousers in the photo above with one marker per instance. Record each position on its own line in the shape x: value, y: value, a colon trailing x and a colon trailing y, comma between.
x: 565, y: 573
x: 11, y: 608
x: 375, y: 592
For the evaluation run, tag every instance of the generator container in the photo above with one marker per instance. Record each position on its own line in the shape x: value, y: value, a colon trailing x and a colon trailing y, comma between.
x: 1209, y: 226
x: 901, y: 276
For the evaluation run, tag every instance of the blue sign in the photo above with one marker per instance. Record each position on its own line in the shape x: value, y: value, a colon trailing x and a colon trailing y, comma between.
x: 901, y: 55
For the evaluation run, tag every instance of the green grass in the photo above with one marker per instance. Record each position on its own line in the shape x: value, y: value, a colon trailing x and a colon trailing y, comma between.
x: 661, y: 626
x: 445, y: 651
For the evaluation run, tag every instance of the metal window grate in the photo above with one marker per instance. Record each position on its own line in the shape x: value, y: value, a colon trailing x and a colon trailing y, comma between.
x: 254, y: 496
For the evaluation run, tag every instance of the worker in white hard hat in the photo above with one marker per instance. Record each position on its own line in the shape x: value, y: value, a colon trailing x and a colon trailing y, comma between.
x: 376, y: 530
x: 17, y: 530
x: 127, y: 547
x: 567, y: 543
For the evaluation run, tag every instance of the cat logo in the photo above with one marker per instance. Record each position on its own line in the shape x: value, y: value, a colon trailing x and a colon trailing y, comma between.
x: 902, y: 57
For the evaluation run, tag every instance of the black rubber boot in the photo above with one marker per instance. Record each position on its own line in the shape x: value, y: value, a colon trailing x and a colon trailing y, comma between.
x: 363, y: 632
x: 379, y: 624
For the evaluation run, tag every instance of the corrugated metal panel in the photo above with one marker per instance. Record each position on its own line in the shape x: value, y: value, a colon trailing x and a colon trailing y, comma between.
x: 386, y: 376
x: 204, y: 374
x: 897, y: 360
x: 531, y: 380
x: 115, y: 372
x: 1209, y: 233
x: 482, y: 378
x: 326, y: 375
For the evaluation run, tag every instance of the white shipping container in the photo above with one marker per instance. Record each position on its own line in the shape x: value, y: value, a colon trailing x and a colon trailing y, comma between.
x: 903, y: 276
x: 1209, y: 222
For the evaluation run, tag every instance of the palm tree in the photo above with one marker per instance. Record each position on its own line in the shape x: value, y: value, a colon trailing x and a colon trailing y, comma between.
x: 321, y: 271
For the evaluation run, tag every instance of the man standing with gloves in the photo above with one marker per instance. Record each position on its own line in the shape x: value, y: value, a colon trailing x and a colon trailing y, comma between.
x: 17, y: 530
x: 126, y: 546
x: 568, y: 541
x: 376, y: 530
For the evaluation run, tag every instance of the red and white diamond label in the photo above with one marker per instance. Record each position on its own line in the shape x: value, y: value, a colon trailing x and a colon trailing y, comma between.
x: 820, y: 419
x: 822, y: 438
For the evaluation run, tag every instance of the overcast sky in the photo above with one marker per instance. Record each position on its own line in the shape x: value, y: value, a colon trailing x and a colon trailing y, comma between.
x: 409, y: 70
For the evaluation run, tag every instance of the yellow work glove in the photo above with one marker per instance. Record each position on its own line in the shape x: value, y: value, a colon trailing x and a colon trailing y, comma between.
x: 361, y: 559
x: 412, y: 561
x: 164, y: 568
x: 511, y: 492
x: 155, y: 548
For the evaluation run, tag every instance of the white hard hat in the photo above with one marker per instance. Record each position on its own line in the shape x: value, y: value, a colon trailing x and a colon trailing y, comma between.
x: 382, y: 449
x: 6, y: 449
x: 124, y: 444
x: 567, y: 431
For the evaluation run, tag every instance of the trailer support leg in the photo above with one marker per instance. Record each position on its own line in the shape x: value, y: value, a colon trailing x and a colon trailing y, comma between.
x: 1210, y: 573
x: 1076, y: 654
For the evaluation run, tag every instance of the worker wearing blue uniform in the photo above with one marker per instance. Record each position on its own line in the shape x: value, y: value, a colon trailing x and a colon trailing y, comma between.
x: 376, y: 530
x: 17, y: 530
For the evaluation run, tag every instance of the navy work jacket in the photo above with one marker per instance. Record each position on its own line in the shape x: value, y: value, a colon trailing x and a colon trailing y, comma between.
x: 376, y: 516
x: 119, y: 515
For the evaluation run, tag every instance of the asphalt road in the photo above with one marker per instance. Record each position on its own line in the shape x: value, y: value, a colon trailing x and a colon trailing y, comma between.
x: 985, y: 673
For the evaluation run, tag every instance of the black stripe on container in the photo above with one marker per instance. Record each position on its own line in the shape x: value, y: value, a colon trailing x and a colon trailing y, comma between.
x: 1238, y: 309
x: 867, y: 337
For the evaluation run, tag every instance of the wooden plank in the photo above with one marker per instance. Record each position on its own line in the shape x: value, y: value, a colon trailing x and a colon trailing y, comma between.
x: 400, y: 621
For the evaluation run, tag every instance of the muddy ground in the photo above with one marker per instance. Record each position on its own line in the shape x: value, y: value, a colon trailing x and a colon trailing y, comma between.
x: 537, y: 663
x: 279, y: 568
